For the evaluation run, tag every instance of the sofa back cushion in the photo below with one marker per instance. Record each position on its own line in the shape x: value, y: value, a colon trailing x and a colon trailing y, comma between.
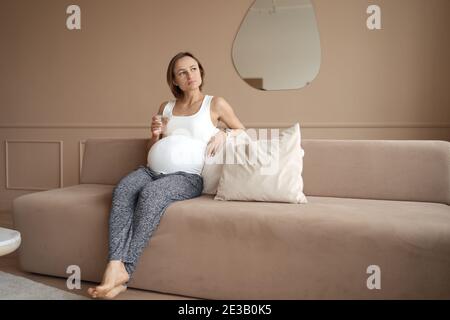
x: 372, y: 169
x: 408, y: 170
x: 106, y: 161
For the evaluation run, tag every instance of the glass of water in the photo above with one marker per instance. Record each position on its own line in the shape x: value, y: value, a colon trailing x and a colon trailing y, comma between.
x: 164, y: 120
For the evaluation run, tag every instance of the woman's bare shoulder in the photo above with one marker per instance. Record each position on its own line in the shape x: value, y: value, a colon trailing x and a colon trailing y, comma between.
x: 161, y: 107
x: 219, y: 103
x: 218, y: 100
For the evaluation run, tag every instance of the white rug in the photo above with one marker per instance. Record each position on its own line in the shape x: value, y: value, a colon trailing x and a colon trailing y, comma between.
x: 19, y: 288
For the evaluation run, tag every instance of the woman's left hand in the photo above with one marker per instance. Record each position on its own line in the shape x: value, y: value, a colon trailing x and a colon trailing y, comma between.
x: 215, y: 143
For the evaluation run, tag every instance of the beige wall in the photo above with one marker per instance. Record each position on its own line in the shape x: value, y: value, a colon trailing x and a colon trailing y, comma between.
x: 108, y: 79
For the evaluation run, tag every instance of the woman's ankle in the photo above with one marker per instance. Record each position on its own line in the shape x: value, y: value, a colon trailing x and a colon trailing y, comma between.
x: 115, y: 261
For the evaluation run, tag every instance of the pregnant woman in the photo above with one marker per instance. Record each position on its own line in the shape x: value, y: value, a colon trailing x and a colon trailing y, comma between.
x: 176, y: 156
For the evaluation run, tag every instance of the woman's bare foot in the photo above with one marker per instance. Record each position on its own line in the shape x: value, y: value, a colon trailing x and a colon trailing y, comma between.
x: 111, y: 294
x: 115, y: 275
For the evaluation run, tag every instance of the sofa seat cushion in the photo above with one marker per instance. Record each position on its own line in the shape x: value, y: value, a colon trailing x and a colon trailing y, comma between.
x: 253, y: 250
x: 61, y: 227
x: 318, y: 250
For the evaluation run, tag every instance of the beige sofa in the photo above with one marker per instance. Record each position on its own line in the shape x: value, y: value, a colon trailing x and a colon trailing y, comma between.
x: 382, y: 203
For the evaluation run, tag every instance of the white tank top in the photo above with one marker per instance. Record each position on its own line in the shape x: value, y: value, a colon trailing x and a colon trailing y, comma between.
x: 183, y: 146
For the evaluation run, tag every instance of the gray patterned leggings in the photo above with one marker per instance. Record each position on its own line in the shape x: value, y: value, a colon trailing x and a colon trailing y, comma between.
x: 139, y: 200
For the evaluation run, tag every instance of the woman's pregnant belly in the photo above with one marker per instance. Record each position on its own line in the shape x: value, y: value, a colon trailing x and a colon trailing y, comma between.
x: 177, y: 153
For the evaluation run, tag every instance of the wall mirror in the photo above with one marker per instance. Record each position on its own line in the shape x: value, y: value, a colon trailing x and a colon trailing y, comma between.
x: 277, y: 46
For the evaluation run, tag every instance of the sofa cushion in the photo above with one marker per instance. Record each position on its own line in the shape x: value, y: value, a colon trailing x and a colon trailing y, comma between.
x: 371, y: 169
x: 65, y: 226
x: 378, y: 169
x: 106, y: 161
x: 268, y: 170
x: 213, y: 167
x: 249, y: 250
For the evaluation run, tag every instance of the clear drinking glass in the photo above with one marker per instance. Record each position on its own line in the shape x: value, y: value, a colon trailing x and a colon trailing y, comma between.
x: 164, y: 120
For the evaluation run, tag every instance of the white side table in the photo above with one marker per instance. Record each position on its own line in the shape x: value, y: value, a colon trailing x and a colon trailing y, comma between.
x: 9, y: 241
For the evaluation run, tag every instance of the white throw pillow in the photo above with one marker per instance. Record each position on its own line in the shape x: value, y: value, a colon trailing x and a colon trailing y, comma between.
x: 212, y: 169
x: 266, y: 170
x: 211, y: 174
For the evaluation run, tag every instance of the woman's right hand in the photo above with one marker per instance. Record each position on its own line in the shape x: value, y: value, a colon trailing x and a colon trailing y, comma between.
x: 156, y: 126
